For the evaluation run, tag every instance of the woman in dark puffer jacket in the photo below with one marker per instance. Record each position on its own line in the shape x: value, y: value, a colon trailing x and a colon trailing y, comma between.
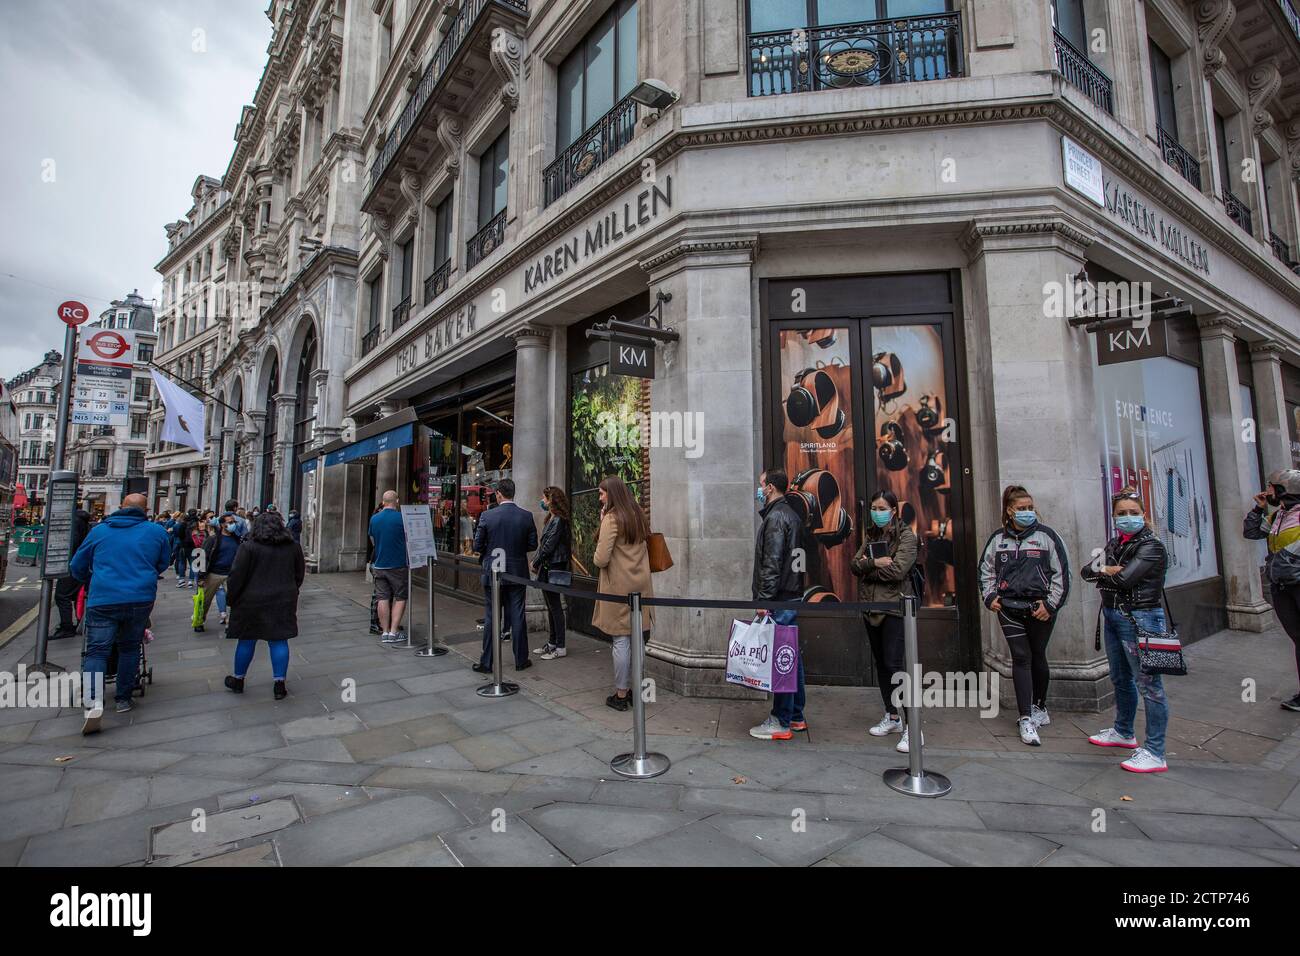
x: 1131, y: 579
x: 262, y: 591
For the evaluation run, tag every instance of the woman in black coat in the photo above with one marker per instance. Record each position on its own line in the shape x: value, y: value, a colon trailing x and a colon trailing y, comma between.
x: 262, y: 592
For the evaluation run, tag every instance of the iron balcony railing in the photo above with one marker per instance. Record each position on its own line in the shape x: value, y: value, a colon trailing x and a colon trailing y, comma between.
x: 867, y: 53
x: 401, y: 312
x: 369, y: 341
x: 457, y: 31
x: 1237, y: 210
x: 1178, y: 157
x: 1293, y: 18
x: 1281, y: 250
x: 485, y: 240
x: 1081, y: 72
x: 436, y: 283
x: 32, y: 462
x: 606, y: 137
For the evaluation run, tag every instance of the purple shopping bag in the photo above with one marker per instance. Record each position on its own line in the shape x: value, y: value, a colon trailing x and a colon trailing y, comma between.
x: 785, y: 659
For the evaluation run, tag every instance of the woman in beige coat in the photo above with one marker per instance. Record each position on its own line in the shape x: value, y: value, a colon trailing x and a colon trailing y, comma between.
x: 624, y: 565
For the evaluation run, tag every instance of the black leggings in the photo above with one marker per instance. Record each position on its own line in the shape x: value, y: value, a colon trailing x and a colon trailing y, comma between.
x: 1027, y: 637
x: 555, y: 617
x: 887, y: 650
x: 1286, y: 604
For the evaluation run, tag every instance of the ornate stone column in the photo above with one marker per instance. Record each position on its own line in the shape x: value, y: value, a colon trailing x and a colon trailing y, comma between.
x: 1270, y: 407
x: 286, y: 469
x: 531, y: 445
x: 1231, y: 455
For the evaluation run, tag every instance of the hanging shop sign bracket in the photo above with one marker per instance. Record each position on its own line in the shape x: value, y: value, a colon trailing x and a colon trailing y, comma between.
x: 1130, y: 310
x: 632, y: 343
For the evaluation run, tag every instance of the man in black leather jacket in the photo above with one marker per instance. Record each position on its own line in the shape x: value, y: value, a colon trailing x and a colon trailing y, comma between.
x: 778, y: 553
x: 1140, y: 580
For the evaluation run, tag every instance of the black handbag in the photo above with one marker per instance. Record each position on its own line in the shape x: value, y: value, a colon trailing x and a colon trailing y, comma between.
x: 1159, y: 652
x: 561, y: 579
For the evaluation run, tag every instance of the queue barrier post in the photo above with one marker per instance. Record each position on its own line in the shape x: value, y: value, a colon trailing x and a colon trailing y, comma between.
x: 638, y: 764
x: 498, y: 687
x: 432, y: 649
x: 912, y: 779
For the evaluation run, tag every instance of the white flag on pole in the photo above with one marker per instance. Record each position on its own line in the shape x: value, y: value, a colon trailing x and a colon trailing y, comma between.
x: 184, y: 421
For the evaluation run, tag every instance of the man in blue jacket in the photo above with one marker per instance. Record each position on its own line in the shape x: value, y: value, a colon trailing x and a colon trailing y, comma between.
x: 121, y: 558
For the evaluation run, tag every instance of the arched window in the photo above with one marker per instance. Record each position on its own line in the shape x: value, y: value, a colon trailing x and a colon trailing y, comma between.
x: 304, y: 413
x: 269, y: 436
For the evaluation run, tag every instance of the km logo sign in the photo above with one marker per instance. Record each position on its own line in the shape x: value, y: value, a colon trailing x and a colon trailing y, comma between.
x: 632, y: 358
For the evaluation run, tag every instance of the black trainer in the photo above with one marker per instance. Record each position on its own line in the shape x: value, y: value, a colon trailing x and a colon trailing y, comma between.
x: 1293, y: 703
x: 235, y: 683
x: 616, y: 702
x: 279, y: 691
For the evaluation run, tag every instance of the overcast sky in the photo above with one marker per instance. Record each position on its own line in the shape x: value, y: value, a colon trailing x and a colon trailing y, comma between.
x: 121, y: 104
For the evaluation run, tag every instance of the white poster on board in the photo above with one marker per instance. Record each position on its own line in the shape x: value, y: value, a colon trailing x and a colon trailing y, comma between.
x: 417, y: 522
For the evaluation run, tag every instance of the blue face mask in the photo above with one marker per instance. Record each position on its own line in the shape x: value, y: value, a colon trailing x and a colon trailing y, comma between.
x: 881, y: 518
x: 542, y: 504
x: 1130, y: 524
x: 1024, y: 518
x: 759, y: 496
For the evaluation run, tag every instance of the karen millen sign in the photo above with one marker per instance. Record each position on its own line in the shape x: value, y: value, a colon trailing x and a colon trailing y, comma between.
x: 1152, y: 225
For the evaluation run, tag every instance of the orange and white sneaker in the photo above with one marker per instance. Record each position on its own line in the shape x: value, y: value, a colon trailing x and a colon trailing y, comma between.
x: 799, y: 726
x: 771, y: 729
x: 1144, y: 761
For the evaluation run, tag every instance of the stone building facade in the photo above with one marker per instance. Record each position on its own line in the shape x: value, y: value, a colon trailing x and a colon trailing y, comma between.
x: 35, y: 395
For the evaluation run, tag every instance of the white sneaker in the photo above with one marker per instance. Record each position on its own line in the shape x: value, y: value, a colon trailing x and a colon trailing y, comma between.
x: 771, y: 729
x: 1111, y: 738
x: 889, y: 724
x: 1144, y: 761
x: 555, y: 653
x: 1039, y: 716
x: 1029, y: 732
x: 93, y: 718
x: 904, y: 747
x: 544, y: 649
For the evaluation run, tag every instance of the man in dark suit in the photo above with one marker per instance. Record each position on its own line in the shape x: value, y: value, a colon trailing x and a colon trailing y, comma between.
x: 505, y: 536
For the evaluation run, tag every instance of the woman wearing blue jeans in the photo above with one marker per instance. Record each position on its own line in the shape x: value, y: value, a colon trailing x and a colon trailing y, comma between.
x: 263, y: 593
x: 1131, y: 579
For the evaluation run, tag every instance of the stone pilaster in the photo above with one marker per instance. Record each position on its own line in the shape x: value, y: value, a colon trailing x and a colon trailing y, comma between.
x: 532, y: 415
x: 1270, y: 406
x: 387, y: 471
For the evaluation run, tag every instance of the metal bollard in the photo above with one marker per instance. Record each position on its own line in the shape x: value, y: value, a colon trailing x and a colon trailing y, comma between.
x: 498, y: 687
x: 638, y: 764
x: 913, y: 779
x: 410, y: 589
x: 432, y: 649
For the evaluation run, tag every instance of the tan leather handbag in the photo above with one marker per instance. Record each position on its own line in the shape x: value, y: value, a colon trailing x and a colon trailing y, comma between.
x: 661, y: 559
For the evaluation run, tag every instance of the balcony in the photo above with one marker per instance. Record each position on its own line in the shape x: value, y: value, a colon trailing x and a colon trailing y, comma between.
x: 606, y: 137
x: 1178, y: 157
x: 369, y: 341
x: 456, y: 71
x: 867, y: 53
x: 1281, y: 251
x: 1081, y: 72
x: 485, y: 240
x: 401, y: 312
x: 436, y: 283
x: 1237, y: 211
x: 34, y: 462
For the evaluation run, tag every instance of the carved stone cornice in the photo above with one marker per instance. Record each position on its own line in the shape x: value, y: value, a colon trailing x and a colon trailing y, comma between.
x: 1262, y: 83
x: 1218, y: 326
x: 744, y: 245
x: 506, y: 53
x: 531, y: 336
x: 449, y: 134
x: 972, y: 240
x: 1213, y: 18
x: 1267, y: 351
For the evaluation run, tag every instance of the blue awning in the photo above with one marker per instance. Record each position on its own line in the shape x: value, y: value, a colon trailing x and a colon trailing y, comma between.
x: 398, y: 437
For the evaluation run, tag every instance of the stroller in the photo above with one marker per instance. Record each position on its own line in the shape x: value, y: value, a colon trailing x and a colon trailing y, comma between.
x: 144, y: 673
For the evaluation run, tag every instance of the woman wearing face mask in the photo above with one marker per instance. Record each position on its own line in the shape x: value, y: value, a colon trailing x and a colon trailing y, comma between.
x: 553, y: 556
x: 885, y: 578
x: 1024, y: 576
x: 1282, y: 531
x: 1131, y: 579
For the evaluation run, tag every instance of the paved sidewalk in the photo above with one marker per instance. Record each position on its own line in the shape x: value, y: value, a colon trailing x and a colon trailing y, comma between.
x: 380, y: 757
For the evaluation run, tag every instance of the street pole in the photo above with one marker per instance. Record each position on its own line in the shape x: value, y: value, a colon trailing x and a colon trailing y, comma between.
x: 432, y: 650
x: 60, y: 444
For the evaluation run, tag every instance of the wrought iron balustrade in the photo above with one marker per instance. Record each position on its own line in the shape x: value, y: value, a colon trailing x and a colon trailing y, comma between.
x: 1281, y: 250
x: 369, y: 341
x: 867, y: 53
x: 1081, y: 72
x: 606, y: 137
x: 401, y: 312
x: 485, y: 240
x: 1237, y: 210
x: 1177, y: 156
x: 436, y: 283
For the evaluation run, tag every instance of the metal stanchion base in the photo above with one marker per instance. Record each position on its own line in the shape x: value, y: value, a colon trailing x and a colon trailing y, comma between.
x: 46, y: 668
x: 925, y: 785
x: 503, y: 689
x: 642, y: 768
x: 433, y: 650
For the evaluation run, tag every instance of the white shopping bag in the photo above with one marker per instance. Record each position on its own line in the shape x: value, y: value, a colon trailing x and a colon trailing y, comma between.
x: 749, y: 653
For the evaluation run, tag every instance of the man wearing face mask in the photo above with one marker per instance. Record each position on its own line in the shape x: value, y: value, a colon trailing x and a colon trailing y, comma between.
x: 1281, y: 529
x: 779, y: 541
x: 1024, y: 576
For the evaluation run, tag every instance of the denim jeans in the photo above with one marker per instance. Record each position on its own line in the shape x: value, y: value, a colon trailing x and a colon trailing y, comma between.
x: 788, y: 707
x: 1126, y: 674
x: 109, y: 624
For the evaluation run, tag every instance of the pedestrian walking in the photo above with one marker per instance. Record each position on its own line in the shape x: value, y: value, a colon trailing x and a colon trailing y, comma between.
x: 120, y: 561
x: 263, y: 591
x: 198, y: 533
x: 219, y: 551
x: 65, y: 590
x: 777, y: 577
x: 551, y: 565
x: 180, y: 547
x: 1024, y: 576
x: 294, y: 524
x: 389, y: 568
x: 506, y: 535
x: 1131, y: 579
x: 1281, y: 529
x: 883, y: 566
